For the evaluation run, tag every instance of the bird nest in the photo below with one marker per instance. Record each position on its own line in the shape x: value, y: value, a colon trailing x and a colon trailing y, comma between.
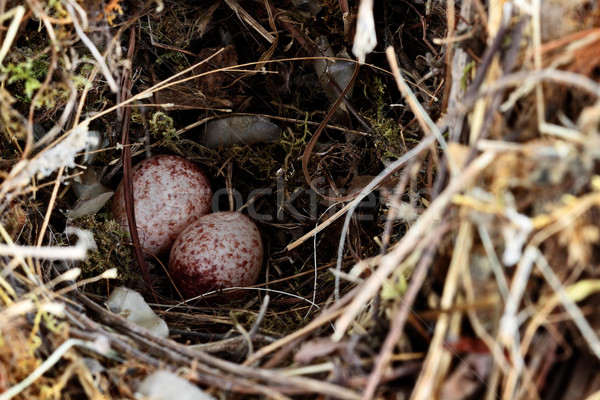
x: 429, y: 214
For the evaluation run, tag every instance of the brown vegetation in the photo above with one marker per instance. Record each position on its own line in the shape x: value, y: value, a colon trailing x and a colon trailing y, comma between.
x: 431, y: 225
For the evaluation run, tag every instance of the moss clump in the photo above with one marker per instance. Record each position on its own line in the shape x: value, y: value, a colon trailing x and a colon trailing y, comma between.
x: 162, y: 127
x: 174, y: 59
x: 28, y: 74
x: 111, y: 252
x: 388, y: 138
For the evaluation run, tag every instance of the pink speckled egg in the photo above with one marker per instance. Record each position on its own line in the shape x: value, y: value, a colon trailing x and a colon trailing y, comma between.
x: 217, y: 251
x: 169, y: 193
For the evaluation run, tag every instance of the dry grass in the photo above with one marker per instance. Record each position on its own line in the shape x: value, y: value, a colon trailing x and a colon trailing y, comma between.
x: 476, y: 279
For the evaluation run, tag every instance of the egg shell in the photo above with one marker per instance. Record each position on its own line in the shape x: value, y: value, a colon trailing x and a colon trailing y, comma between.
x: 219, y: 250
x: 169, y: 193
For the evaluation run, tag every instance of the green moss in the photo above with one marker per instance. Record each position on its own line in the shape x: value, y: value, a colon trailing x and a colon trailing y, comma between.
x: 464, y: 79
x: 178, y: 28
x: 162, y: 127
x: 174, y: 59
x: 388, y: 138
x: 293, y: 143
x: 52, y: 323
x: 26, y: 77
x: 28, y: 73
x: 259, y: 161
x: 86, y: 68
x: 56, y: 9
x: 111, y: 252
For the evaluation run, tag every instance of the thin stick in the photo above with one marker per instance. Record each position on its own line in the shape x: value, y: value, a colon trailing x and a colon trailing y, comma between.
x: 77, y: 252
x: 95, y: 53
x: 329, y: 314
x: 59, y: 175
x: 404, y: 308
x: 17, y: 13
x: 424, y: 119
x: 389, y: 262
x: 243, y: 14
x: 46, y: 365
x: 438, y: 359
x: 568, y: 303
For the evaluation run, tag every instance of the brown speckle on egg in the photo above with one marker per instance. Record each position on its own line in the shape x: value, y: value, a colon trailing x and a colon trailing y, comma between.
x: 169, y: 193
x: 219, y: 250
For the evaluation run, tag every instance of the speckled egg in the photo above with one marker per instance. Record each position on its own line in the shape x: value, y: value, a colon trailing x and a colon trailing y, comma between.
x: 169, y: 193
x: 217, y: 251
